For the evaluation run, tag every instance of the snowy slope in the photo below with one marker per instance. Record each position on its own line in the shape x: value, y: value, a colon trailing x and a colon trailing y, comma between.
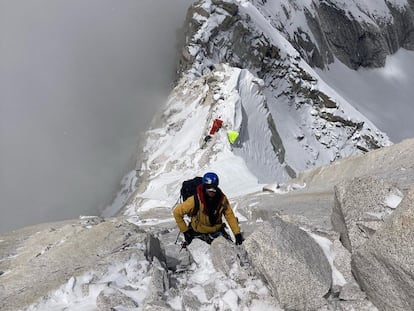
x: 174, y: 152
x: 309, y: 117
x: 289, y: 119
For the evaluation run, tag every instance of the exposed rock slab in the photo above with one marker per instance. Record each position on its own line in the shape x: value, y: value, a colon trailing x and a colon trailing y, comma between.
x: 394, y: 164
x: 39, y: 259
x: 360, y: 209
x: 281, y: 252
x: 384, y: 265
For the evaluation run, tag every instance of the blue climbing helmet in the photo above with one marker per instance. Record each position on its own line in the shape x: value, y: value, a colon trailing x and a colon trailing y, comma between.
x: 210, y: 179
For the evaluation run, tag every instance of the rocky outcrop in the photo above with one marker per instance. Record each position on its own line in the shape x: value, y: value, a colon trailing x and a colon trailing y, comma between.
x: 36, y: 261
x: 281, y: 250
x: 393, y: 164
x: 384, y: 265
x: 371, y: 210
x: 350, y: 32
x: 361, y: 208
x: 322, y: 129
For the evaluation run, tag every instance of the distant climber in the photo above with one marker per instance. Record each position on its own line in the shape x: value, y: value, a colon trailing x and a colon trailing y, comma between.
x: 217, y: 124
x: 206, y: 222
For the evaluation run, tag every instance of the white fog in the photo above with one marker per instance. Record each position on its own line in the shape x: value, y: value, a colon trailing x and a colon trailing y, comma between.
x: 79, y: 80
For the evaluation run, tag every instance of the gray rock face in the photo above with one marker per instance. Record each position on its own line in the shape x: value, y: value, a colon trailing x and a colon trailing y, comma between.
x: 360, y: 209
x: 159, y: 283
x: 281, y: 252
x: 219, y: 250
x: 358, y: 38
x: 37, y: 260
x: 109, y: 299
x: 230, y: 259
x: 354, y: 43
x: 393, y: 164
x: 381, y: 242
x: 384, y: 265
x: 222, y: 32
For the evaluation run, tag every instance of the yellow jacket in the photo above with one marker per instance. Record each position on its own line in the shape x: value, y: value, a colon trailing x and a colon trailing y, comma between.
x: 201, y: 222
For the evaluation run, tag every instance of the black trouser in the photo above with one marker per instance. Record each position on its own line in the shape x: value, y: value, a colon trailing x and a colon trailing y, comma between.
x: 210, y: 237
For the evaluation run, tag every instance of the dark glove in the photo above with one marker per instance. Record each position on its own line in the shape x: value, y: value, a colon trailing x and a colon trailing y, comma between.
x: 239, y: 238
x: 189, y: 236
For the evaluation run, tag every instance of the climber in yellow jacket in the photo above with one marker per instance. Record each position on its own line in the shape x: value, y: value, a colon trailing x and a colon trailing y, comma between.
x: 213, y: 205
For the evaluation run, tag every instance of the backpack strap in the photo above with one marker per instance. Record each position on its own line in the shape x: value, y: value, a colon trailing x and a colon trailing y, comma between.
x: 196, y: 205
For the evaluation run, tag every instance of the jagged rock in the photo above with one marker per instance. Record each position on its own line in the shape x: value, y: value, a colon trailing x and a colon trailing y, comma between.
x: 351, y: 291
x: 229, y: 259
x: 230, y: 7
x: 342, y: 260
x: 228, y: 36
x: 90, y: 220
x: 224, y: 255
x: 360, y: 209
x: 154, y: 249
x: 109, y: 298
x: 349, y: 32
x: 41, y: 258
x: 159, y: 283
x: 353, y: 42
x: 280, y: 252
x: 384, y: 265
x: 190, y: 301
x: 177, y: 259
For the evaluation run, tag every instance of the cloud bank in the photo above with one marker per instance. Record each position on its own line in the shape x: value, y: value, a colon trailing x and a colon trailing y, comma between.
x: 79, y: 80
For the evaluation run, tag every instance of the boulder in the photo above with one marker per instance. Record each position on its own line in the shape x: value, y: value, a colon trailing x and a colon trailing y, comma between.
x: 229, y: 259
x: 37, y: 260
x: 109, y: 298
x: 384, y: 265
x: 360, y: 208
x: 292, y: 263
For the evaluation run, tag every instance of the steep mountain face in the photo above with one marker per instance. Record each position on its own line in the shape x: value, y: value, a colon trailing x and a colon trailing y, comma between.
x: 305, y: 117
x: 337, y: 237
x: 358, y: 34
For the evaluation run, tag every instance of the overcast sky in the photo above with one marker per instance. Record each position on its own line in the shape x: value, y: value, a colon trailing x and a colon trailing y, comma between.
x: 78, y: 81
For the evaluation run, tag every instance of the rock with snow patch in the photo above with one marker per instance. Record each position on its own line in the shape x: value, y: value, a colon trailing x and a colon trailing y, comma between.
x: 384, y: 265
x: 190, y: 301
x: 311, y: 211
x: 342, y: 260
x: 326, y: 127
x: 109, y: 298
x: 39, y: 259
x: 358, y: 35
x: 159, y: 283
x: 228, y: 258
x: 292, y: 263
x: 360, y: 209
x: 351, y: 292
x: 394, y: 164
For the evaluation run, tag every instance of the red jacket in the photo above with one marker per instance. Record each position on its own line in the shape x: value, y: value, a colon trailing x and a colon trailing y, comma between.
x: 216, y: 126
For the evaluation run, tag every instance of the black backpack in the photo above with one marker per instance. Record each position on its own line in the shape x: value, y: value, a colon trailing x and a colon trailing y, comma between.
x: 189, y: 188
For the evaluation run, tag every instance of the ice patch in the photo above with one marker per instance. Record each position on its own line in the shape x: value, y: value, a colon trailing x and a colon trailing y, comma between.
x: 393, y: 200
